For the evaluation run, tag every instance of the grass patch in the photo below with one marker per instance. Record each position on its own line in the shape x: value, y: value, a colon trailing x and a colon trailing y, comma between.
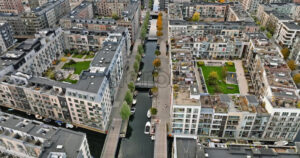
x: 221, y: 82
x: 78, y: 66
x: 69, y: 80
x: 78, y: 56
x: 89, y: 56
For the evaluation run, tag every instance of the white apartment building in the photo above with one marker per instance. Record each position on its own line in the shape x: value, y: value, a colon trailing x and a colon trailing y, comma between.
x: 286, y: 33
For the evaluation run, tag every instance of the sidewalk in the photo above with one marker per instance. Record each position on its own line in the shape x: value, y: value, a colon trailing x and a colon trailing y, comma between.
x: 163, y: 97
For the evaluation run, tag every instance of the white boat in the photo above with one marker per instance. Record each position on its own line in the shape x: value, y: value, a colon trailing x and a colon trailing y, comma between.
x: 134, y: 101
x: 132, y: 110
x: 147, y: 128
x: 138, y: 79
x: 69, y: 125
x: 153, y: 137
x: 38, y: 117
x: 149, y: 113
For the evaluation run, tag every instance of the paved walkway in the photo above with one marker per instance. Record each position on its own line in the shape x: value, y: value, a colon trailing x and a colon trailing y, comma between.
x: 112, y: 138
x: 163, y: 98
x: 243, y: 84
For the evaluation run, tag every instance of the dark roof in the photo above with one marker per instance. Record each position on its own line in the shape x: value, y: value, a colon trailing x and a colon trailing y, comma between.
x: 186, y: 148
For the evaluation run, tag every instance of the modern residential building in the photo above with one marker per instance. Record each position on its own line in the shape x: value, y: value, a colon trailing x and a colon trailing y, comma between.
x: 190, y: 147
x: 237, y: 13
x: 6, y: 37
x: 36, y: 3
x: 11, y: 6
x: 222, y: 40
x: 110, y: 7
x: 28, y: 138
x: 251, y: 5
x: 86, y: 103
x: 15, y: 21
x: 83, y: 11
x: 286, y: 33
x: 289, y: 9
x: 46, y: 16
x: 83, y: 39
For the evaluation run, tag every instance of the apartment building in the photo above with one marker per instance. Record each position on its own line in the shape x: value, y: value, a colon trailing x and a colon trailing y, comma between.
x: 190, y: 147
x: 83, y: 11
x: 87, y: 103
x: 288, y: 9
x: 83, y: 39
x: 286, y: 33
x: 110, y: 7
x: 46, y: 16
x: 36, y: 3
x: 6, y: 36
x: 208, y: 11
x: 14, y: 20
x: 237, y: 13
x: 11, y: 6
x: 222, y: 40
x: 251, y: 5
x: 28, y: 138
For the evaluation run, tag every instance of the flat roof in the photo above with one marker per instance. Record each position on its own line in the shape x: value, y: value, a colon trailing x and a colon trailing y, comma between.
x: 186, y: 148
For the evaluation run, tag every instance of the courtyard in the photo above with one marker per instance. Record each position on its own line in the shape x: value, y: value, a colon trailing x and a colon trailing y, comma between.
x: 220, y: 85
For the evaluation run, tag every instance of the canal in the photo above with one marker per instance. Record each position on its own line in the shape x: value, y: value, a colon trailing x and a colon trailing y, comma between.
x: 137, y: 144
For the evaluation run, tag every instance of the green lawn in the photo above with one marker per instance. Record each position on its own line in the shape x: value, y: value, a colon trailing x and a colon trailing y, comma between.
x: 89, y: 56
x: 79, y: 66
x: 221, y: 82
x: 70, y: 80
x: 78, y: 56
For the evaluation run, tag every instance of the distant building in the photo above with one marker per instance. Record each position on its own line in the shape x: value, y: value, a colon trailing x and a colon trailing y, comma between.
x: 36, y: 3
x: 191, y: 147
x: 28, y: 138
x: 110, y: 7
x: 6, y: 37
x: 286, y: 33
x: 251, y: 5
x: 237, y: 13
x: 11, y: 6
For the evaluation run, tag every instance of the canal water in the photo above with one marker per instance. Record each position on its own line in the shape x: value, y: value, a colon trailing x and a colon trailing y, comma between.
x: 137, y: 144
x: 95, y: 139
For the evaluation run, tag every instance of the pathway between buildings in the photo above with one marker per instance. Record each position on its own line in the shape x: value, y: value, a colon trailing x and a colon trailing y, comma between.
x: 163, y: 98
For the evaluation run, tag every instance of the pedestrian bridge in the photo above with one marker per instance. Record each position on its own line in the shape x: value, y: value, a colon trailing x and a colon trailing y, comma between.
x: 144, y: 84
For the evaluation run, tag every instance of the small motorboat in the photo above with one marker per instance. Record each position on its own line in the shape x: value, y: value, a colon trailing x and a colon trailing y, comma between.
x: 10, y: 109
x: 149, y: 113
x: 69, y: 125
x: 138, y: 79
x: 153, y: 137
x: 140, y: 73
x: 39, y: 117
x: 135, y: 94
x: 143, y: 55
x: 132, y: 110
x: 147, y: 128
x: 134, y: 101
x: 47, y: 120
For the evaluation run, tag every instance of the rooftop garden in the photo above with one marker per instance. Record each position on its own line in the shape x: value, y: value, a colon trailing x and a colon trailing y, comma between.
x: 215, y: 78
x: 77, y: 66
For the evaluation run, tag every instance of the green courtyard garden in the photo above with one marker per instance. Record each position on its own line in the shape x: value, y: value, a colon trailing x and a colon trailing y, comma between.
x: 215, y: 78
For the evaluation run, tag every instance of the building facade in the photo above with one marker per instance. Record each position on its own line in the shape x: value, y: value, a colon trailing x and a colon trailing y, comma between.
x: 6, y: 38
x: 11, y: 6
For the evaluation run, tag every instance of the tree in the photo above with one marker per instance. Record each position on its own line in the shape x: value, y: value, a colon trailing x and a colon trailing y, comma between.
x: 212, y: 78
x: 196, y: 16
x: 154, y: 90
x: 115, y: 16
x: 155, y: 74
x: 72, y: 62
x: 285, y: 53
x: 63, y: 59
x: 176, y: 87
x: 131, y: 86
x: 157, y: 52
x: 292, y: 65
x: 153, y: 111
x: 222, y: 1
x: 160, y: 14
x: 138, y: 58
x: 159, y: 23
x: 140, y: 49
x: 297, y: 78
x: 125, y: 111
x: 143, y: 33
x: 200, y: 63
x: 128, y: 97
x: 262, y: 28
x: 156, y: 63
x: 136, y: 66
x: 224, y: 72
x: 269, y: 35
x: 159, y: 33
